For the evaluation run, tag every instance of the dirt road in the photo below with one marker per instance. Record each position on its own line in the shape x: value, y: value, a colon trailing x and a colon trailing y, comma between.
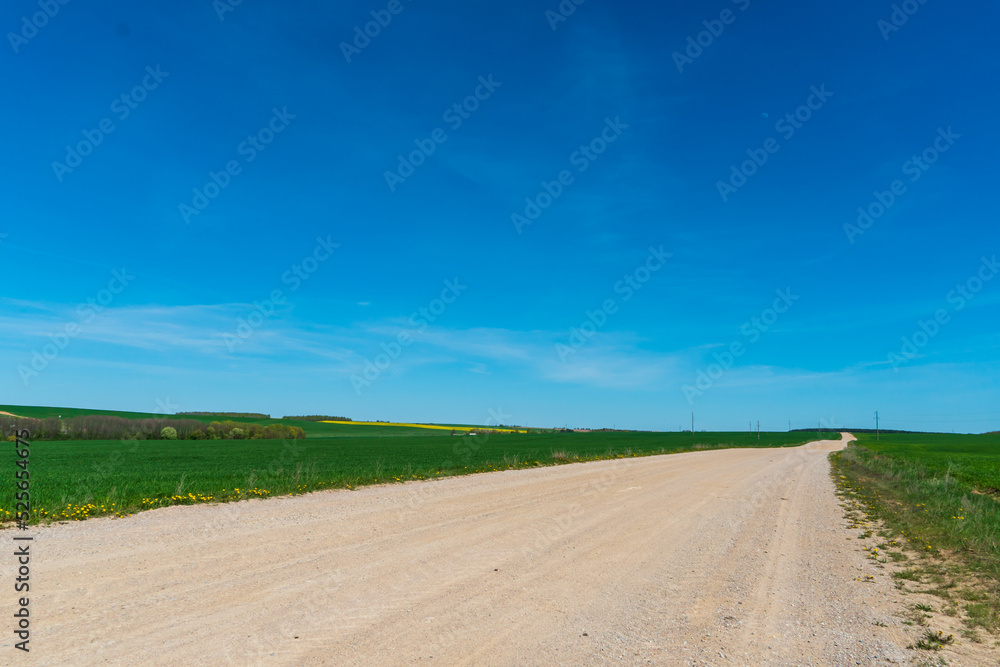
x: 726, y: 557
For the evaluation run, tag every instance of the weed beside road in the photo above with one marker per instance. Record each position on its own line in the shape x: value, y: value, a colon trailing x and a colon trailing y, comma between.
x: 933, y: 499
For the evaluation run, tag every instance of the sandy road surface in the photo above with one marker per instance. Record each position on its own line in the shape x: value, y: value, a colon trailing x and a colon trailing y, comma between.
x: 725, y: 557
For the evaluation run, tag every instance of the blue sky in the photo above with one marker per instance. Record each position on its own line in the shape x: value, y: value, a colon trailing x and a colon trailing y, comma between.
x: 643, y: 129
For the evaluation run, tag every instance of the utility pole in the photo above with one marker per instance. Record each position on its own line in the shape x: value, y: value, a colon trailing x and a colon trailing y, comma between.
x: 751, y: 425
x: 876, y: 426
x: 789, y: 425
x: 758, y: 429
x: 692, y: 422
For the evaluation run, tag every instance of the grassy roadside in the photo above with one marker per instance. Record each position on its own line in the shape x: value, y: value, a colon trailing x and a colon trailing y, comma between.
x: 78, y: 480
x: 933, y: 500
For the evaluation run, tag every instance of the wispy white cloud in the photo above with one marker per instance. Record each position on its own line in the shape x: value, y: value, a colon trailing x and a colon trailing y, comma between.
x: 608, y: 360
x: 193, y: 335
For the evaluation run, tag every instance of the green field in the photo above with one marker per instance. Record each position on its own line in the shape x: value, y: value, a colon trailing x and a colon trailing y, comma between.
x: 943, y: 488
x: 973, y: 460
x: 77, y: 479
x: 940, y: 493
x: 37, y: 412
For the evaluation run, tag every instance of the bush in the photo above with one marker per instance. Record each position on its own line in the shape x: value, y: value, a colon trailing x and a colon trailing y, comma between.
x: 14, y: 425
x: 227, y: 430
x: 168, y: 433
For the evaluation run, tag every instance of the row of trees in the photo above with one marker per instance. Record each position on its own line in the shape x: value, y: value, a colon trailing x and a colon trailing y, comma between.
x: 106, y: 427
x: 230, y: 430
x: 97, y: 427
x: 231, y: 415
x: 318, y: 418
x: 12, y: 426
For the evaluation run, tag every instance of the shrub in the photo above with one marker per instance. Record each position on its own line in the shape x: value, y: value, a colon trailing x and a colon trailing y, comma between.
x: 14, y: 426
x: 168, y: 433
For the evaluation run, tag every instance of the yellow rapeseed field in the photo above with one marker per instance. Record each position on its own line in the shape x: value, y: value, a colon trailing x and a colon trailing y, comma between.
x: 432, y: 426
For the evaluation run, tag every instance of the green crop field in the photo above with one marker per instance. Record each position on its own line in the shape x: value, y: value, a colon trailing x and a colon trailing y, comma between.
x: 940, y: 493
x: 78, y: 479
x: 973, y: 460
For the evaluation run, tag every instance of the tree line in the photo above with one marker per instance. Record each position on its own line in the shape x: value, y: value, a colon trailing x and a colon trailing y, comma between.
x: 106, y: 427
x: 230, y: 415
x: 318, y: 418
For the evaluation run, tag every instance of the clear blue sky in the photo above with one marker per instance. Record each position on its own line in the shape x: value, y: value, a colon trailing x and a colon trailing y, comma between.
x: 633, y: 128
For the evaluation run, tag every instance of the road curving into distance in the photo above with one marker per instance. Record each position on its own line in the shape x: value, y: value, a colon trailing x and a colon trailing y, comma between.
x: 722, y: 557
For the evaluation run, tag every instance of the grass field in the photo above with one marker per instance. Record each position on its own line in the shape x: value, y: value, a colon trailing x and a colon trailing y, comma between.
x: 74, y: 480
x: 940, y: 493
